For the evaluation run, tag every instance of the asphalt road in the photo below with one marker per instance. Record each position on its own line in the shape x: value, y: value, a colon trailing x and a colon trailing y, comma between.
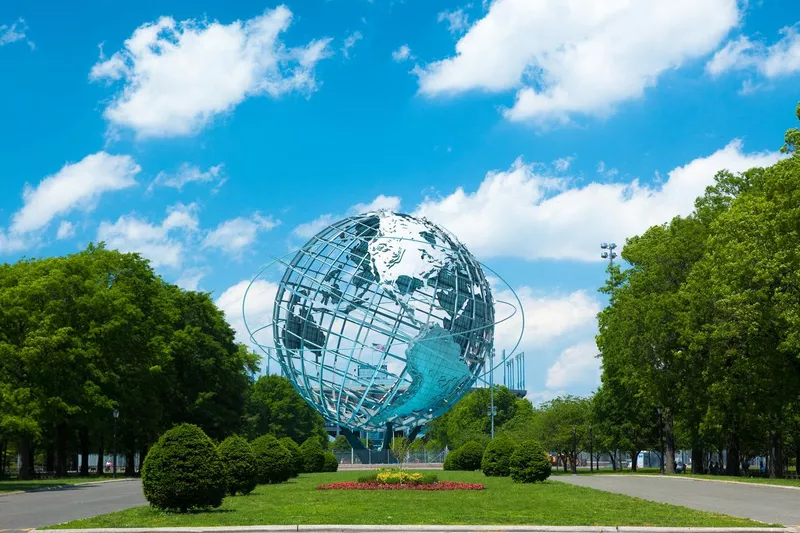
x: 774, y: 505
x: 45, y: 508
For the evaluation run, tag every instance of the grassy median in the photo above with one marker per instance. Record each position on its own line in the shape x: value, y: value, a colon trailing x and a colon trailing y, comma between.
x: 14, y: 485
x: 501, y: 503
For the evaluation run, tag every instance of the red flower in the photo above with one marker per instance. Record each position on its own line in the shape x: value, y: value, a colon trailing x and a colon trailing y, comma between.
x: 441, y: 485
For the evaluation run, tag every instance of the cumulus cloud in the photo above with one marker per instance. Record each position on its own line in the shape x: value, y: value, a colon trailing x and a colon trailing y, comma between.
x: 177, y: 76
x: 66, y: 230
x: 163, y: 244
x: 309, y: 229
x: 77, y: 186
x: 402, y: 54
x: 457, y: 20
x: 260, y: 299
x: 577, y: 365
x: 577, y: 56
x: 233, y: 236
x: 188, y: 173
x: 191, y: 277
x: 522, y: 213
x: 771, y: 61
x: 562, y: 164
x: 350, y: 42
x: 14, y: 33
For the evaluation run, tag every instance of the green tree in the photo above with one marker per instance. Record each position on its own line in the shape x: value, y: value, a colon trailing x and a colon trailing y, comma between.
x: 275, y: 407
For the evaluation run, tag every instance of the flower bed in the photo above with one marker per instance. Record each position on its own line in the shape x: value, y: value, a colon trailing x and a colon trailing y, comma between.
x: 440, y: 485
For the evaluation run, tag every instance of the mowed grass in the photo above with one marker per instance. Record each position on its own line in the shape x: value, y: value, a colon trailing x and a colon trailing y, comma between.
x: 502, y: 503
x: 14, y: 485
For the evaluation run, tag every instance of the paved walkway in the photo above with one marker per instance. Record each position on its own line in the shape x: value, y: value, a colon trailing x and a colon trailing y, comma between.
x: 45, y: 508
x: 774, y: 505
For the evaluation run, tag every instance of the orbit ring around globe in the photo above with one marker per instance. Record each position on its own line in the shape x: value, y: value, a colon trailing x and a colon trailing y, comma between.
x: 382, y: 319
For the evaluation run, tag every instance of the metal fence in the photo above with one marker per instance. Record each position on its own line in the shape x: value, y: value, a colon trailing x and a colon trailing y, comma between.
x: 382, y: 457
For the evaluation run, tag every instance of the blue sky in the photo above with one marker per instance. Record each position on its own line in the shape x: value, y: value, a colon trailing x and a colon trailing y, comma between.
x: 211, y: 136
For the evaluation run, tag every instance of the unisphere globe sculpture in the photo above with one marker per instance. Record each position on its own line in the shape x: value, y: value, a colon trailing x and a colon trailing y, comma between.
x: 383, y: 318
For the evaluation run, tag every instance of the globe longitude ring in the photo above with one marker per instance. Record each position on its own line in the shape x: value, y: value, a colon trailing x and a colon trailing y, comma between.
x: 382, y: 318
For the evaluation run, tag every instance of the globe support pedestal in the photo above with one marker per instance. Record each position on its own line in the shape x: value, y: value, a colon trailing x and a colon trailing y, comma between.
x: 359, y: 450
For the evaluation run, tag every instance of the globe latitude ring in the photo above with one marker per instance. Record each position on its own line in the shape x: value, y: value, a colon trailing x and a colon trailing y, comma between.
x: 382, y: 318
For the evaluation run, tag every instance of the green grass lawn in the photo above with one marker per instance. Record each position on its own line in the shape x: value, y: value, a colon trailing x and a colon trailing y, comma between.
x: 503, y: 502
x: 14, y: 485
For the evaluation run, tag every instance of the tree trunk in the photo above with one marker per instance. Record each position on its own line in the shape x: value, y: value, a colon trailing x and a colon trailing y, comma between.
x: 62, y: 434
x: 3, y: 449
x: 732, y: 464
x: 613, y: 462
x: 697, y: 460
x: 84, y: 443
x: 26, y: 453
x: 101, y: 462
x: 775, y: 455
x: 142, y: 456
x: 669, y: 437
x: 634, y: 465
x: 50, y: 459
x: 129, y: 466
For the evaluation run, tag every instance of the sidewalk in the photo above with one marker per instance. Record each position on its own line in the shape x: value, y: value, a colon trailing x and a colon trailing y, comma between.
x: 435, y: 529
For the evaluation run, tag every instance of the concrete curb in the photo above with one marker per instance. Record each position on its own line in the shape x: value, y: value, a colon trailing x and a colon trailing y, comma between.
x: 687, y: 478
x: 435, y: 529
x: 65, y: 486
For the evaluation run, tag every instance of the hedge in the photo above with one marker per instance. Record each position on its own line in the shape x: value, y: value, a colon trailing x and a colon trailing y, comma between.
x: 530, y: 463
x: 497, y: 457
x: 273, y: 462
x: 239, y: 463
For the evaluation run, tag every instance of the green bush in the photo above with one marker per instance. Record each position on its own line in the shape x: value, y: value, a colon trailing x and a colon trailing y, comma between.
x: 183, y: 471
x: 313, y: 455
x: 331, y: 463
x: 452, y: 460
x: 371, y: 477
x: 467, y: 457
x: 273, y: 462
x: 497, y: 457
x: 239, y: 463
x: 295, y: 457
x: 530, y: 463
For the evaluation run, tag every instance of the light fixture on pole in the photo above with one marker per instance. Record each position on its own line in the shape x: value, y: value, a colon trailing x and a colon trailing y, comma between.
x: 661, y: 437
x: 116, y: 415
x: 608, y: 252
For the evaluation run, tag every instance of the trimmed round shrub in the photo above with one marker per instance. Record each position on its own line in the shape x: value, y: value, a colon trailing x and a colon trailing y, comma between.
x: 313, y: 455
x: 497, y: 457
x: 295, y: 457
x: 183, y: 471
x: 452, y: 460
x: 331, y: 463
x: 530, y: 463
x: 273, y: 462
x: 239, y: 463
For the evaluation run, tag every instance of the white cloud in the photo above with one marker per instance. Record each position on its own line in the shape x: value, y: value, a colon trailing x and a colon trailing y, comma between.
x: 177, y: 76
x: 163, y: 244
x: 562, y: 164
x: 191, y: 277
x: 233, y: 236
x: 577, y: 365
x: 402, y: 54
x: 11, y: 243
x: 548, y: 317
x: 391, y: 203
x: 577, y: 56
x: 309, y: 229
x: 188, y: 173
x: 76, y: 186
x: 66, y: 230
x: 14, y: 33
x: 520, y: 213
x: 350, y: 42
x: 779, y: 59
x: 457, y: 20
x: 260, y: 300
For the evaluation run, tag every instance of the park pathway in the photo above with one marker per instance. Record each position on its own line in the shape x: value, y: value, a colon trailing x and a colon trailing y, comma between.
x: 45, y: 508
x: 774, y: 505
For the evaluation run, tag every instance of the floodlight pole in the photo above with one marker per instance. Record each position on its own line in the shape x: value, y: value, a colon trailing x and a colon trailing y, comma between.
x: 610, y: 254
x: 491, y: 389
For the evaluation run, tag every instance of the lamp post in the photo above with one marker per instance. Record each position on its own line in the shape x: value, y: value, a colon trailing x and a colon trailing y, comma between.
x: 661, y: 437
x: 492, y: 409
x: 591, y: 449
x: 114, y: 471
x: 610, y: 254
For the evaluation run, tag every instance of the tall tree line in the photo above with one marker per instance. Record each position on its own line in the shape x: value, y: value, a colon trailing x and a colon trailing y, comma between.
x: 88, y: 333
x: 704, y: 324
